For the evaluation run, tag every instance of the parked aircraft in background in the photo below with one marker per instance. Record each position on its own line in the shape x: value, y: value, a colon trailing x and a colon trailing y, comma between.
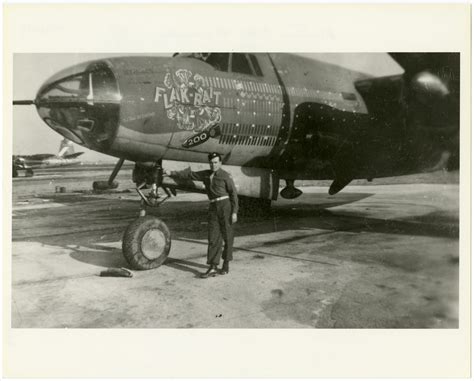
x: 28, y: 163
x: 271, y: 116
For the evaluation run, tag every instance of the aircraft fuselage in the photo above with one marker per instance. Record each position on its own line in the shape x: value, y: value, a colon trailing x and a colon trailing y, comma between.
x: 300, y: 117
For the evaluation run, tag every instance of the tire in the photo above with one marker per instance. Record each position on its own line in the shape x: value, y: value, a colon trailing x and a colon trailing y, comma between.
x: 29, y: 173
x: 104, y: 185
x: 146, y: 243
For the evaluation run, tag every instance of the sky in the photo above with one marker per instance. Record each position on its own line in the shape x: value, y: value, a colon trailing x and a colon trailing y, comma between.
x: 31, y: 135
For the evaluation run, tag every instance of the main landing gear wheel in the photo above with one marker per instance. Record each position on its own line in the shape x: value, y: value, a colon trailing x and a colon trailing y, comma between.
x: 146, y: 243
x: 29, y: 173
x: 104, y: 185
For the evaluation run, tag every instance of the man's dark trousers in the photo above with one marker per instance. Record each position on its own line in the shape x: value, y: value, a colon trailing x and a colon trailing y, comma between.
x: 220, y: 229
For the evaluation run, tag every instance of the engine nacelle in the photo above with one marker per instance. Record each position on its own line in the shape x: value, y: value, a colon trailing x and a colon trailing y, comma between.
x: 249, y: 181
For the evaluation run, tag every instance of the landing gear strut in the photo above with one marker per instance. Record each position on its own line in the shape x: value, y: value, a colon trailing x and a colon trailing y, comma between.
x: 147, y: 240
x: 110, y: 183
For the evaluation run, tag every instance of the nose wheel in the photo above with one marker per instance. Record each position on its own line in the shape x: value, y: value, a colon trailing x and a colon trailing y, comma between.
x: 146, y: 243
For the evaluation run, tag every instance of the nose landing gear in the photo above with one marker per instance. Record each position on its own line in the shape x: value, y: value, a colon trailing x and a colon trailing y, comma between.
x: 147, y: 240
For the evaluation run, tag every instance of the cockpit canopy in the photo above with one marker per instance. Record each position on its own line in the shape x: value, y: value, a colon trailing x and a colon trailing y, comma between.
x: 242, y: 63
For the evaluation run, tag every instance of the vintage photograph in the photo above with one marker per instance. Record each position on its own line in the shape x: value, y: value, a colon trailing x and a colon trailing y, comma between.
x: 283, y: 186
x: 236, y: 190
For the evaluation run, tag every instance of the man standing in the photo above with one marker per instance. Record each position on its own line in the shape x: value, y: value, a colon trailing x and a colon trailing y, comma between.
x: 223, y: 210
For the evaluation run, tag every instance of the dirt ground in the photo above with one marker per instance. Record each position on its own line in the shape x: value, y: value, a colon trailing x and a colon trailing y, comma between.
x: 373, y: 256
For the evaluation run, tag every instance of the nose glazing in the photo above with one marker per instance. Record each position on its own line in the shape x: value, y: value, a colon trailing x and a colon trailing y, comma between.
x: 83, y: 104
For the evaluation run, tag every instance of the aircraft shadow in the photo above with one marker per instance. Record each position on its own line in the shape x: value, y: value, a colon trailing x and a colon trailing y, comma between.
x: 87, y: 224
x: 112, y: 257
x: 184, y: 265
x: 102, y: 256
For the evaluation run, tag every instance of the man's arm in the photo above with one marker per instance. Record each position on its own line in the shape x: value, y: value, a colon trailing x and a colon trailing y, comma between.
x: 188, y: 174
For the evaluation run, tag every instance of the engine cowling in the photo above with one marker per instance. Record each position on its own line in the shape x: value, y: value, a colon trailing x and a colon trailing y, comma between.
x: 249, y: 181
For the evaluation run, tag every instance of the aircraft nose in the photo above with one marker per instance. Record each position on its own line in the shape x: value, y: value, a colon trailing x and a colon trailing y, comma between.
x: 82, y: 103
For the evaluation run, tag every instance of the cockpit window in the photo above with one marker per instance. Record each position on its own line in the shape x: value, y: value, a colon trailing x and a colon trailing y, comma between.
x: 255, y: 65
x: 220, y: 61
x: 240, y: 64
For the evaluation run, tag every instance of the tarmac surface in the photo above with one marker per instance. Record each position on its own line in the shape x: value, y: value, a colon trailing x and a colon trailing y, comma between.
x: 372, y: 256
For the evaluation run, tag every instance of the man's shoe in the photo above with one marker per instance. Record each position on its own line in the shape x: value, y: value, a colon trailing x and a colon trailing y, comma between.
x: 211, y: 272
x: 225, y: 268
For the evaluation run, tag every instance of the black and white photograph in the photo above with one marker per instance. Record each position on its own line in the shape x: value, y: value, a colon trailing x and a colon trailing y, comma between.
x: 236, y: 190
x: 305, y: 189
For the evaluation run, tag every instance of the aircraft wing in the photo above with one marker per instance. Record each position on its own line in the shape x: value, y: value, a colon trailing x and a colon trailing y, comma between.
x: 73, y: 155
x: 414, y: 63
x: 38, y: 157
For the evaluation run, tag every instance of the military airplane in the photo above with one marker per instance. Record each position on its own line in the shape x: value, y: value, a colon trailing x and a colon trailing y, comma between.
x: 65, y: 157
x: 271, y: 116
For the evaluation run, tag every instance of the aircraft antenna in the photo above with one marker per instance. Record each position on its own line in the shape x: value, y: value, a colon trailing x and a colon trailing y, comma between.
x: 23, y: 103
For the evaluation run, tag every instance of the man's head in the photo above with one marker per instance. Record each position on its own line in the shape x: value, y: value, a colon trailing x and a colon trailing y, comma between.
x: 215, y: 161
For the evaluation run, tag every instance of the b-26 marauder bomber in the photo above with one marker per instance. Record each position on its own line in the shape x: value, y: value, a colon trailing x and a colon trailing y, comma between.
x: 271, y: 116
x: 65, y: 157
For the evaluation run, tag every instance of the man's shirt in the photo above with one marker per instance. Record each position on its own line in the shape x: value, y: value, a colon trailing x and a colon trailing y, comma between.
x: 217, y: 184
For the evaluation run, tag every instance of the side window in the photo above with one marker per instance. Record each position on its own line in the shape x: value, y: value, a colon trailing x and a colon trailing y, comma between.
x: 220, y: 61
x: 240, y: 64
x: 255, y: 65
